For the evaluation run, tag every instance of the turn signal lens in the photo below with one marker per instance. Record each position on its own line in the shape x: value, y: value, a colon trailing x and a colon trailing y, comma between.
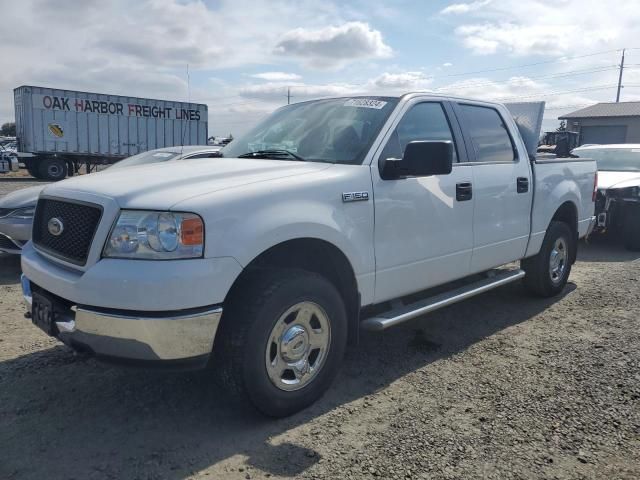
x: 192, y: 231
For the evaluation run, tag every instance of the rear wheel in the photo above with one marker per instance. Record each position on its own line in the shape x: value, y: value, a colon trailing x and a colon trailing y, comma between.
x: 631, y: 229
x: 53, y: 169
x: 547, y: 273
x: 33, y: 170
x: 281, y: 341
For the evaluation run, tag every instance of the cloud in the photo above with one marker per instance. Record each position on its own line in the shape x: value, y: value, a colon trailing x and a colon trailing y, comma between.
x: 332, y: 46
x: 460, y: 8
x: 141, y: 48
x: 402, y: 81
x: 520, y: 40
x: 546, y: 27
x: 276, y: 76
x: 299, y: 91
x: 447, y: 64
x: 518, y: 88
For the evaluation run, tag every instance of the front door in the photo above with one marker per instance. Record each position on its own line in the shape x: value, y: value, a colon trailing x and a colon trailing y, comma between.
x: 423, y: 226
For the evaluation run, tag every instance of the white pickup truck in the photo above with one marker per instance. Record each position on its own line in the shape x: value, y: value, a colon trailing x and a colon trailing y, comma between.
x: 329, y: 216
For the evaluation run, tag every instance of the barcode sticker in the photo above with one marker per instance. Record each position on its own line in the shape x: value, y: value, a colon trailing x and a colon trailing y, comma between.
x: 365, y: 103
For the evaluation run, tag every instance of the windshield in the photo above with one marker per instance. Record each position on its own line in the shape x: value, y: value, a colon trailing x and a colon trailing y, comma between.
x: 613, y: 159
x: 338, y: 130
x: 152, y: 156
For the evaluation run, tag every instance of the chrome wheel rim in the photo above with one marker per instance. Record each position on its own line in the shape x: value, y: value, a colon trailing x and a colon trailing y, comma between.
x: 298, y: 345
x: 558, y: 260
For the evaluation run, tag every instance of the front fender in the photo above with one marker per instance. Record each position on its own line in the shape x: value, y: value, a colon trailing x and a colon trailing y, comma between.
x: 245, y: 223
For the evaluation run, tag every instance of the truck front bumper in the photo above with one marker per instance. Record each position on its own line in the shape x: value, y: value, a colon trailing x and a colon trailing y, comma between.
x: 183, y: 338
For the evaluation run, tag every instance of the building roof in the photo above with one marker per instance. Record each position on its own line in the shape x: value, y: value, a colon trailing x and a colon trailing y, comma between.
x: 622, y: 109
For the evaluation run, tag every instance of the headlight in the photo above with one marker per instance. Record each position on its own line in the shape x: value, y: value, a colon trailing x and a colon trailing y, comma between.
x: 24, y: 212
x: 156, y: 236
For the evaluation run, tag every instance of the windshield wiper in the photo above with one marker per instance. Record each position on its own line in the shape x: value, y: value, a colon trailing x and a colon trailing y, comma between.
x: 275, y: 154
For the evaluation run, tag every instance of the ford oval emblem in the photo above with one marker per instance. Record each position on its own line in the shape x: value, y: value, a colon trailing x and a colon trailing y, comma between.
x: 55, y: 226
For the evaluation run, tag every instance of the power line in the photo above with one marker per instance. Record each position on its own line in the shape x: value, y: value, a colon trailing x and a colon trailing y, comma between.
x: 569, y: 73
x: 452, y: 75
x: 566, y: 107
x: 553, y: 94
x: 560, y: 60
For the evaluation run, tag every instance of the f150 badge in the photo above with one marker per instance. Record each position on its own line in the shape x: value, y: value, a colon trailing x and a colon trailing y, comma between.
x: 355, y: 196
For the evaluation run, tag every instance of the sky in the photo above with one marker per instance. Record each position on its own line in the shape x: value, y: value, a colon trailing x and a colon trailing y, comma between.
x: 240, y: 57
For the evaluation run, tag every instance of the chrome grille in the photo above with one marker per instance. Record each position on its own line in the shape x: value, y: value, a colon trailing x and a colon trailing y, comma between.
x: 79, y: 220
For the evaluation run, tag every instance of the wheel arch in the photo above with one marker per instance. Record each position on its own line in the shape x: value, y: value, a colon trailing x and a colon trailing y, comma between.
x: 314, y: 255
x: 568, y: 214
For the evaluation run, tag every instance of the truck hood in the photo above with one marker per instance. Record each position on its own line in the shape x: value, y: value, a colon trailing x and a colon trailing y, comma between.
x: 162, y: 185
x: 25, y: 197
x: 608, y: 180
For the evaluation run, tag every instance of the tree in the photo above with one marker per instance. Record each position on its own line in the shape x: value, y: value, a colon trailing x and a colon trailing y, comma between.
x: 8, y: 129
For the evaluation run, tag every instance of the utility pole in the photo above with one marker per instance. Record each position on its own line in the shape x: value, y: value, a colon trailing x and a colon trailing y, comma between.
x: 289, y: 93
x: 620, y: 77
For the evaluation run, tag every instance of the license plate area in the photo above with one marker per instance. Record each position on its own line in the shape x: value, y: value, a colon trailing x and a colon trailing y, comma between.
x: 42, y: 314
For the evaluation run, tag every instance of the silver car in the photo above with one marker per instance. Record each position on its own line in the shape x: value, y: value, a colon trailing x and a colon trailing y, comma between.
x: 18, y: 208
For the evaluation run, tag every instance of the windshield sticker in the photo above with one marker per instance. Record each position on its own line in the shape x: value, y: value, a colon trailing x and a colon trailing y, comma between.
x: 365, y: 103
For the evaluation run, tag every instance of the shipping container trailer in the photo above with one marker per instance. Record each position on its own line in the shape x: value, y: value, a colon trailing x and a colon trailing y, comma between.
x: 58, y: 130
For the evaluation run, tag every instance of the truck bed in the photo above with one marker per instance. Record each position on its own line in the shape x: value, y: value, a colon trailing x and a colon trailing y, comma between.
x: 554, y: 184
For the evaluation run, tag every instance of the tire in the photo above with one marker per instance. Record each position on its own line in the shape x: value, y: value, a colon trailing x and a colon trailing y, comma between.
x: 631, y: 229
x: 547, y: 272
x: 32, y: 169
x: 53, y: 169
x: 250, y: 348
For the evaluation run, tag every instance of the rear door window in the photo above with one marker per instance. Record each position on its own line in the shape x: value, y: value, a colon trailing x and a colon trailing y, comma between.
x: 488, y: 134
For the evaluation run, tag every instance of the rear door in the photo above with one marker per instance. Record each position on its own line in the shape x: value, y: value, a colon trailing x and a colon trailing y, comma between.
x: 502, y: 185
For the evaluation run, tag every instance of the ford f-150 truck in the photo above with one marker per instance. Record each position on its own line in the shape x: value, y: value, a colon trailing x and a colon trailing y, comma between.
x: 329, y: 216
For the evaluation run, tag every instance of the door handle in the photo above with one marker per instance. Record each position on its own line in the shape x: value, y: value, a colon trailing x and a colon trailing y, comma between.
x: 522, y: 184
x: 464, y: 191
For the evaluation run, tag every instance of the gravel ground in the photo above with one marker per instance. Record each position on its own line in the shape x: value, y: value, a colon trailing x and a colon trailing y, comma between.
x: 501, y: 386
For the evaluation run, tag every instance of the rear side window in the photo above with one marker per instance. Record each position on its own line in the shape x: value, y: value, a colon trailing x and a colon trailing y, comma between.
x: 488, y: 133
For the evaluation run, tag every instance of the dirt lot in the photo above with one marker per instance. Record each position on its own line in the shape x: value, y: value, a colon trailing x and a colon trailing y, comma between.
x: 502, y: 386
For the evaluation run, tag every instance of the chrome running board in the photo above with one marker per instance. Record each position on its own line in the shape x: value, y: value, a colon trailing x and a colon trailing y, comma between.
x: 407, y: 312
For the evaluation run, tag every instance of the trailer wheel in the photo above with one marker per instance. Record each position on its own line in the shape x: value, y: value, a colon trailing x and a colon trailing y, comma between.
x: 53, y: 169
x: 33, y: 170
x: 631, y: 229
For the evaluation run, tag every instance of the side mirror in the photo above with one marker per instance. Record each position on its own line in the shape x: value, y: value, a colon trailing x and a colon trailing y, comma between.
x: 420, y: 159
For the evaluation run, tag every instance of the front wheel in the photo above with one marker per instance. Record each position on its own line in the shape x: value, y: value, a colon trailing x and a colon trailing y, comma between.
x: 282, y: 338
x: 547, y: 272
